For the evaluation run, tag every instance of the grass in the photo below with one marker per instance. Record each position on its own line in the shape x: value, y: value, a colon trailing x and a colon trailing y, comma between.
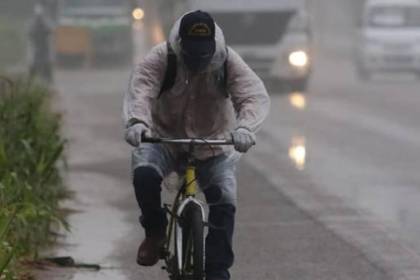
x: 31, y: 186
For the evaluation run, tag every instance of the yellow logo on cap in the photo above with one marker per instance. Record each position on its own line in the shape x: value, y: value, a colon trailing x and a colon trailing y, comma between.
x: 200, y: 29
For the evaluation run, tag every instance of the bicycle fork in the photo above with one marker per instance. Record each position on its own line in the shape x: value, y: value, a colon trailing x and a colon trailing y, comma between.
x: 190, y: 191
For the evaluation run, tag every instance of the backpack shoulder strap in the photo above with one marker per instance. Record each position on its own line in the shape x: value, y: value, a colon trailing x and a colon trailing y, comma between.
x: 222, y: 76
x: 170, y: 74
x: 225, y: 69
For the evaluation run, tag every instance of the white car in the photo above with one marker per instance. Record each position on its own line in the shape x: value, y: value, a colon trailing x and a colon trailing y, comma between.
x: 272, y: 36
x: 390, y: 37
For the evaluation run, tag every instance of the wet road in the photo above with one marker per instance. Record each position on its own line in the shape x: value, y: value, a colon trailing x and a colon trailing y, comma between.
x: 330, y: 192
x: 358, y: 141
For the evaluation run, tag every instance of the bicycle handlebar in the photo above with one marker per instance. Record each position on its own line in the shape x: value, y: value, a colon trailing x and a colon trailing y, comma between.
x: 193, y: 141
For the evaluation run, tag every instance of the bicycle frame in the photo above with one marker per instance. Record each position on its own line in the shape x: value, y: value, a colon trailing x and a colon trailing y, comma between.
x: 185, y: 196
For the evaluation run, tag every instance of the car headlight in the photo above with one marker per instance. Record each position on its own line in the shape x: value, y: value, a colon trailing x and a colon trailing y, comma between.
x: 298, y: 58
x: 138, y: 14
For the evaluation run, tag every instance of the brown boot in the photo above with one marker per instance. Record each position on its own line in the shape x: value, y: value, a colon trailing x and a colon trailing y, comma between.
x: 149, y: 250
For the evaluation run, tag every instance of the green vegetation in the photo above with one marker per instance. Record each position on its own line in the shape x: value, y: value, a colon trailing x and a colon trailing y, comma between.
x: 30, y: 181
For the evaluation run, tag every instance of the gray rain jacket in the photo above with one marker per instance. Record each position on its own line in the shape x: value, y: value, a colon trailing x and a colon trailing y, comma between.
x: 196, y: 106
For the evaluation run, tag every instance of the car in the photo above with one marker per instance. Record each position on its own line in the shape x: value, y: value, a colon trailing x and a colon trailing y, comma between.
x: 273, y: 37
x: 389, y: 38
x: 94, y: 30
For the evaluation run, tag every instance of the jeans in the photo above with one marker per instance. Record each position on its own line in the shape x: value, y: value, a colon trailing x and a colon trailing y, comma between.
x: 216, y: 178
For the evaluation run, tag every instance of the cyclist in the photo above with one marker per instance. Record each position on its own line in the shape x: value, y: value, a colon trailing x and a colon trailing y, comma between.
x: 192, y: 86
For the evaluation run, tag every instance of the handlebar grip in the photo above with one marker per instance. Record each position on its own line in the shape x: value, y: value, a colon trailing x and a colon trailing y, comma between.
x: 146, y: 139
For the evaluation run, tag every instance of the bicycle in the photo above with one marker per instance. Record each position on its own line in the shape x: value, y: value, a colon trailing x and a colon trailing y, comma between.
x: 184, y: 247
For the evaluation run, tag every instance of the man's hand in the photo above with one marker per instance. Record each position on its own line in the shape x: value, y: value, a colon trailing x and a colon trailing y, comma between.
x: 243, y: 139
x: 134, y: 133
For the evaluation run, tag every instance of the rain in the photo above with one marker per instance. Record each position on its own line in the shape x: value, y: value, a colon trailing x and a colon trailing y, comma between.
x: 329, y: 191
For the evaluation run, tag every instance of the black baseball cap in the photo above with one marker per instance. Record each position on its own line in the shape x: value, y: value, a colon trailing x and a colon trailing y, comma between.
x: 197, y: 33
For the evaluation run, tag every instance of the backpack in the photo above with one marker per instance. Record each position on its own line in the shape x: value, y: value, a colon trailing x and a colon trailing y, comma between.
x: 171, y: 70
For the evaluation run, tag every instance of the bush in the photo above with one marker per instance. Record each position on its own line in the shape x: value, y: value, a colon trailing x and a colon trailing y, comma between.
x: 30, y: 181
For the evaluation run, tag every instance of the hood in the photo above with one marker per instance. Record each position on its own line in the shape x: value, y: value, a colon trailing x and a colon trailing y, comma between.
x: 220, y: 54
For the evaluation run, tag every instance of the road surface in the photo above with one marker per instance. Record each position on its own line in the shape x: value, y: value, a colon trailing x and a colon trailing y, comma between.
x: 331, y: 190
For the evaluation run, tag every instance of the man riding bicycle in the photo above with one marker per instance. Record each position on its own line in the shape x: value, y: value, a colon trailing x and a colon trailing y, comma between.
x: 192, y: 86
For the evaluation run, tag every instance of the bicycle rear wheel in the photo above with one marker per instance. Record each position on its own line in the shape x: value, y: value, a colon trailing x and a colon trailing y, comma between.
x: 193, y: 242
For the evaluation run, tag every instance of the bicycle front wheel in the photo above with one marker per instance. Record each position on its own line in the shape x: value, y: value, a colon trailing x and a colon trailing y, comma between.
x: 193, y: 242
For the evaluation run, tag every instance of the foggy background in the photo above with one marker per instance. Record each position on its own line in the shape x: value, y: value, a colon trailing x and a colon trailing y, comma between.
x: 16, y: 15
x: 330, y: 191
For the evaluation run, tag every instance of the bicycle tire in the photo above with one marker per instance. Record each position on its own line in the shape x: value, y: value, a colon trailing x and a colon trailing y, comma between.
x: 193, y: 242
